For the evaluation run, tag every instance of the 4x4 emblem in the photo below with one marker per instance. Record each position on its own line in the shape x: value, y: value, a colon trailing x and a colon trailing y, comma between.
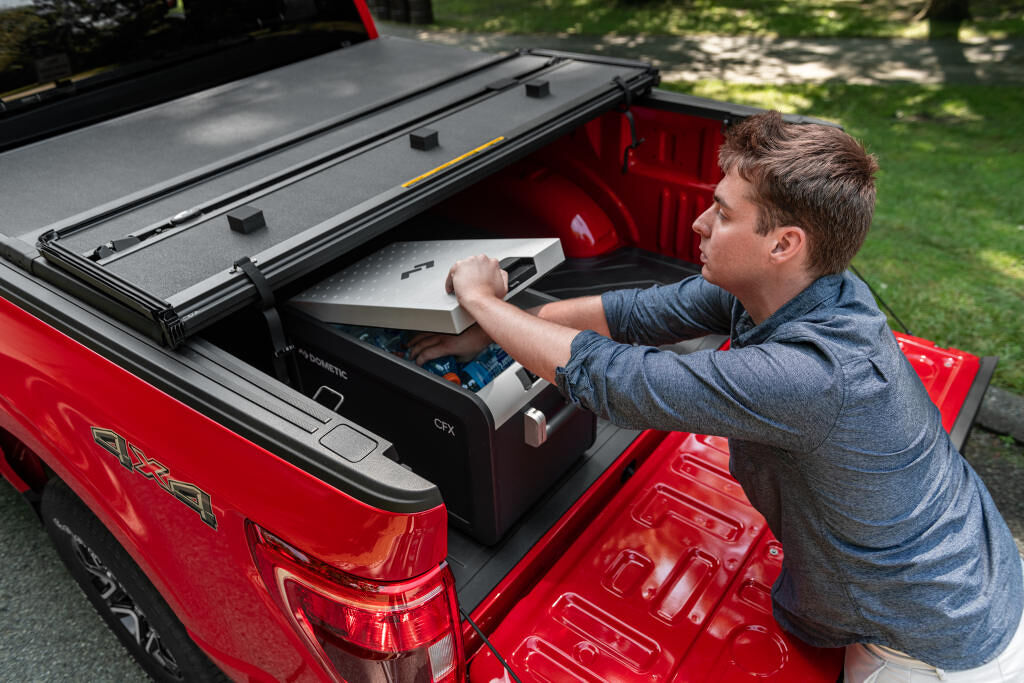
x: 135, y: 460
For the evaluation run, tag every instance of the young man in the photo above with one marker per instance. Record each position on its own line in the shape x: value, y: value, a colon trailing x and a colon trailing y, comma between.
x: 894, y: 547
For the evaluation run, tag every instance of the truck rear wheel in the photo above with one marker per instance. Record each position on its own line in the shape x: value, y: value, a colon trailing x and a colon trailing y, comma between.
x: 120, y: 592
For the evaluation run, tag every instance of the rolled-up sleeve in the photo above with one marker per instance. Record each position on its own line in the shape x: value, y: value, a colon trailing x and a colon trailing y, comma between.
x: 668, y: 313
x: 783, y: 394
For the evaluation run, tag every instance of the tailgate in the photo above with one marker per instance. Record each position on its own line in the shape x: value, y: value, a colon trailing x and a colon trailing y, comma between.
x: 672, y: 580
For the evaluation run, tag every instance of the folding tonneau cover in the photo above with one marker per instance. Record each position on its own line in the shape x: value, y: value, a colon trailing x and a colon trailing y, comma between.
x: 176, y: 216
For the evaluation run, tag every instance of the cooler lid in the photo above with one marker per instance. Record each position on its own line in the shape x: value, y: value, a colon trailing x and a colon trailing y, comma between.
x: 402, y: 285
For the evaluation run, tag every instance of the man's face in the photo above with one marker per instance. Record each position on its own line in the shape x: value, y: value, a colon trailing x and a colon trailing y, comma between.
x: 732, y: 254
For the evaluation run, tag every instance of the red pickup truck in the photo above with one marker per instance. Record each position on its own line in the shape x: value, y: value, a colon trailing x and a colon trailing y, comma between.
x: 246, y: 488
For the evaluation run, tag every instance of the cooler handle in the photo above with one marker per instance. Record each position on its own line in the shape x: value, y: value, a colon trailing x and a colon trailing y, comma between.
x: 537, y: 428
x: 519, y: 269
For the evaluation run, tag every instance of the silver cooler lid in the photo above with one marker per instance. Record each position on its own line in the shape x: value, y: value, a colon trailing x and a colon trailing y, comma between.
x: 402, y: 285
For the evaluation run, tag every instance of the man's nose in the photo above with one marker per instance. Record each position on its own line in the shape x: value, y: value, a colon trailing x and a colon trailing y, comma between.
x: 701, y: 225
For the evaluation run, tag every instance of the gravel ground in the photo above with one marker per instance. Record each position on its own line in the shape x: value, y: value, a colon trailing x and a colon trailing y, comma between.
x: 49, y: 631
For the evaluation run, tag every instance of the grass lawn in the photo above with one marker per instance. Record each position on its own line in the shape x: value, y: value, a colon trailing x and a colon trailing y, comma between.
x: 946, y: 249
x: 805, y: 18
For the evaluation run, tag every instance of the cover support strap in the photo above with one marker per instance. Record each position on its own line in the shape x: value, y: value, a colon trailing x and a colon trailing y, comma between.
x: 635, y: 142
x: 282, y: 349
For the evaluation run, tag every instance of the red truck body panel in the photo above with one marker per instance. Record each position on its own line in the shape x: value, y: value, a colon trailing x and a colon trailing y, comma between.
x: 206, y: 574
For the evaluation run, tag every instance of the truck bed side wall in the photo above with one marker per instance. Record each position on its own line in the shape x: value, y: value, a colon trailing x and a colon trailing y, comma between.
x: 175, y: 489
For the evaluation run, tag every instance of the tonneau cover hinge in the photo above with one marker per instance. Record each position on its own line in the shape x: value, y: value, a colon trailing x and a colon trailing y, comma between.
x: 18, y: 252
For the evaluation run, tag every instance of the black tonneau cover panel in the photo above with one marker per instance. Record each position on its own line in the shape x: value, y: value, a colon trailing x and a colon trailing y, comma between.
x: 359, y: 161
x: 64, y: 179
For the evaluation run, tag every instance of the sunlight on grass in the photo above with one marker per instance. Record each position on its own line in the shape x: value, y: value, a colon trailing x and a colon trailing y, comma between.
x: 808, y: 18
x: 959, y: 109
x: 1009, y: 265
x: 766, y: 98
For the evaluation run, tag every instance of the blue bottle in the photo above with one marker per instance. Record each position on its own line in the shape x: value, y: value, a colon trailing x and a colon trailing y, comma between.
x: 488, y: 364
x: 474, y: 376
x: 494, y: 359
x: 392, y: 341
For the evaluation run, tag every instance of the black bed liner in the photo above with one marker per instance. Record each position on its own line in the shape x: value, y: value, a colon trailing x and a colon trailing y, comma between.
x: 163, y: 258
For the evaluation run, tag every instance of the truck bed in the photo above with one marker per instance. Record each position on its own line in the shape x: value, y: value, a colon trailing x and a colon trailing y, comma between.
x: 478, y: 568
x: 671, y: 582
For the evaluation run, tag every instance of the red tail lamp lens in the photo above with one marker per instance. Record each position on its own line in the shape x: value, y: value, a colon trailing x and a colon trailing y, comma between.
x: 365, y: 630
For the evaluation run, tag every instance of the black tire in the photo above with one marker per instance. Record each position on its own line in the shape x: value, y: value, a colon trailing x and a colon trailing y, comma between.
x: 121, y: 593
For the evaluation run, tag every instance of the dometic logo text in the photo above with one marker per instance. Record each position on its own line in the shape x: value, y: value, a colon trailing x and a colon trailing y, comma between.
x: 135, y: 460
x: 317, y: 360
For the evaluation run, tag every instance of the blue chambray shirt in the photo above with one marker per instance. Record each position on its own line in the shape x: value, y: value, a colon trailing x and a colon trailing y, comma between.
x: 890, y: 536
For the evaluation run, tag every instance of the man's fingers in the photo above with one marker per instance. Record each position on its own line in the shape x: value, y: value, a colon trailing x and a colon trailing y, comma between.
x: 476, y: 274
x: 422, y: 345
x: 429, y: 353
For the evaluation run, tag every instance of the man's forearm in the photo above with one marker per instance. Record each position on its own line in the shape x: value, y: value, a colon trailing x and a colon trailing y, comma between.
x: 577, y: 314
x: 582, y: 313
x: 539, y: 344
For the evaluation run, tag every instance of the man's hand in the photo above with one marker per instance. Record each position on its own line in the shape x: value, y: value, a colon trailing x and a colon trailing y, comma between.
x: 476, y: 278
x: 470, y: 280
x: 541, y: 339
x: 428, y: 346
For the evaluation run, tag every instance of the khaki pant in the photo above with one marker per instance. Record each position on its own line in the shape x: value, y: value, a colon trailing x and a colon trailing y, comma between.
x: 876, y: 664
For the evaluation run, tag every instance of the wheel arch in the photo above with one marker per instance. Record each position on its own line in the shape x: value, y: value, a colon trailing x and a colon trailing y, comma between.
x: 23, y: 468
x: 128, y: 591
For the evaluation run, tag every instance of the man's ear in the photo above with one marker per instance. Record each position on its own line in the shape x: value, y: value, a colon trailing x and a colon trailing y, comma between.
x: 790, y: 242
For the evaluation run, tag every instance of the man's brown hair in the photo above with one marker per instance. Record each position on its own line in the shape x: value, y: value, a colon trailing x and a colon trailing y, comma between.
x: 812, y: 176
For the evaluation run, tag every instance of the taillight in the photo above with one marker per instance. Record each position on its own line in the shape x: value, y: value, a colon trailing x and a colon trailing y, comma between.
x: 365, y: 630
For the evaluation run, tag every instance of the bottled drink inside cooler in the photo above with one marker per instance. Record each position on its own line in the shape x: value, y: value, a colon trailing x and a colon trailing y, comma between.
x: 474, y: 374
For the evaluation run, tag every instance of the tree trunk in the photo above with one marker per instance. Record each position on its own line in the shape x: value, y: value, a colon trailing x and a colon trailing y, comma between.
x: 945, y: 10
x: 944, y: 17
x: 421, y: 12
x: 399, y: 10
